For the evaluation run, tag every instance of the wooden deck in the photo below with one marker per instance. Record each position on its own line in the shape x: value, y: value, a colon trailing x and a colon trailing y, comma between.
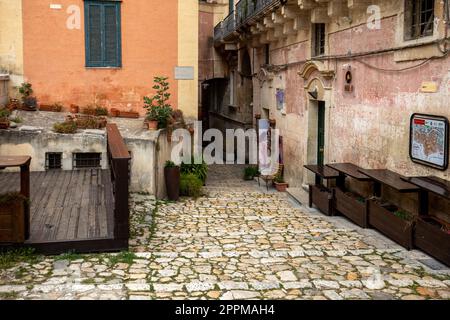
x: 67, y: 205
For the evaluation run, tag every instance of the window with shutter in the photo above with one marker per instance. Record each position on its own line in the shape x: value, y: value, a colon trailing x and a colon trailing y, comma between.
x: 103, y: 34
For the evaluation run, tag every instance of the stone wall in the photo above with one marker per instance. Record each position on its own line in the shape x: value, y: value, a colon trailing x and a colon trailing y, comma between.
x: 148, y: 155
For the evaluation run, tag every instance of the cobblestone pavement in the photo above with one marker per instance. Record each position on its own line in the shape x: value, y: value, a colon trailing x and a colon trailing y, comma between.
x: 237, y: 242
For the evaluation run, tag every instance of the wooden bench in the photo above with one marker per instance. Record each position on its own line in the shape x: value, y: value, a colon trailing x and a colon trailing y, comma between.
x: 431, y: 233
x: 346, y: 202
x: 382, y: 214
x: 319, y: 194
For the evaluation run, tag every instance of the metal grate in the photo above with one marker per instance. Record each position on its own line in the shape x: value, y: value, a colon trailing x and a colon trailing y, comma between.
x: 53, y: 160
x: 319, y: 39
x: 422, y: 18
x: 86, y: 160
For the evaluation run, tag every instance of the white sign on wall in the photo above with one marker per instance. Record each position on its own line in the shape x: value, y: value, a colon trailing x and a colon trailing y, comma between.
x: 184, y: 73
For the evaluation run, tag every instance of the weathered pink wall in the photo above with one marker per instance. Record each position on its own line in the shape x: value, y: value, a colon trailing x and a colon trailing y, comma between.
x: 206, y: 58
x: 54, y: 56
x: 370, y: 126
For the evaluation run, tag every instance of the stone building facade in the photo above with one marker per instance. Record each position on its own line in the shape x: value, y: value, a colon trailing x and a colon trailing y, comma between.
x: 341, y: 79
x: 102, y: 52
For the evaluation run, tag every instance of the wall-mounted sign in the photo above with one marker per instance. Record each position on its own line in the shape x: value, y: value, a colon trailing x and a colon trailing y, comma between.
x: 348, y: 81
x: 280, y: 99
x: 55, y: 6
x: 184, y: 73
x: 429, y: 140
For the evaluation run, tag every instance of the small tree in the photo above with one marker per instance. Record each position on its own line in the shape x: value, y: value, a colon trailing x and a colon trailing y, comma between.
x: 158, y: 106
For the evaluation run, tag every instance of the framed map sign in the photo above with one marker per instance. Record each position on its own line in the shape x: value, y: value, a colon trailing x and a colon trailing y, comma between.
x: 429, y: 140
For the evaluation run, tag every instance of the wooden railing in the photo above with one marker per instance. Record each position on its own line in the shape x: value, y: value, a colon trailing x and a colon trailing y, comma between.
x: 119, y: 160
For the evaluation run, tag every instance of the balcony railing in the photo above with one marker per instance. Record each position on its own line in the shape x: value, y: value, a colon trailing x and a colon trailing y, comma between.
x: 246, y: 11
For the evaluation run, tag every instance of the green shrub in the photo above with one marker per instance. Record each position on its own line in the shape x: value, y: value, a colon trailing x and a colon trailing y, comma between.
x: 101, y: 111
x: 67, y: 127
x: 170, y: 164
x: 89, y: 110
x: 4, y: 113
x: 57, y: 107
x: 190, y: 185
x: 251, y: 172
x: 200, y: 170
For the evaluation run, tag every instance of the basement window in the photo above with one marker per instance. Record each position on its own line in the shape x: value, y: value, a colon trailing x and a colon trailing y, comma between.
x: 86, y: 160
x: 53, y: 160
x: 318, y: 39
x: 419, y: 19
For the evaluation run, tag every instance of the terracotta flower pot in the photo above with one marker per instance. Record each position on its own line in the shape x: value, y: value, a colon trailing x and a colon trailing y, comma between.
x: 114, y: 112
x: 172, y: 177
x: 152, y: 125
x: 4, y: 123
x: 74, y: 108
x: 281, y: 186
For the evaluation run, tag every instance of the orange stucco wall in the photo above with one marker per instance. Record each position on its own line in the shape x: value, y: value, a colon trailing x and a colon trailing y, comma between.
x: 54, y: 56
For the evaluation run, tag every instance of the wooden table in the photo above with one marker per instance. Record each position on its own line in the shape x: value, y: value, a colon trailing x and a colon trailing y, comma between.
x: 428, y: 236
x: 348, y: 170
x: 319, y: 194
x: 391, y: 179
x: 381, y: 215
x: 435, y: 185
x: 324, y: 172
x: 349, y: 203
x: 22, y: 162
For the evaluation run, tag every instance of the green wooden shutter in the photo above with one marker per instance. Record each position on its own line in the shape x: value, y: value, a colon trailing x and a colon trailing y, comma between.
x: 111, y: 35
x: 94, y: 35
x: 103, y: 34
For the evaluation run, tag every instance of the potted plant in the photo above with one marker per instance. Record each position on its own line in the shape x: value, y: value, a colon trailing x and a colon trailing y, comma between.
x: 198, y: 168
x: 172, y: 177
x: 152, y: 119
x: 190, y: 185
x: 4, y: 118
x: 12, y: 211
x: 56, y: 107
x: 280, y: 184
x: 250, y: 173
x: 101, y: 111
x: 74, y: 108
x: 158, y: 107
x: 29, y: 103
x: 67, y: 127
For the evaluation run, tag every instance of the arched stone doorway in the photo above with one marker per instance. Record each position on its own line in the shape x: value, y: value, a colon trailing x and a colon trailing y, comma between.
x: 318, y: 95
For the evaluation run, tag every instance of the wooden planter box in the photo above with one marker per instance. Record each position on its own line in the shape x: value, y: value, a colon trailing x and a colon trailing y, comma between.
x: 4, y: 124
x: 395, y: 228
x: 12, y: 222
x: 128, y: 114
x: 322, y: 198
x: 432, y: 240
x: 48, y: 108
x: 351, y: 208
